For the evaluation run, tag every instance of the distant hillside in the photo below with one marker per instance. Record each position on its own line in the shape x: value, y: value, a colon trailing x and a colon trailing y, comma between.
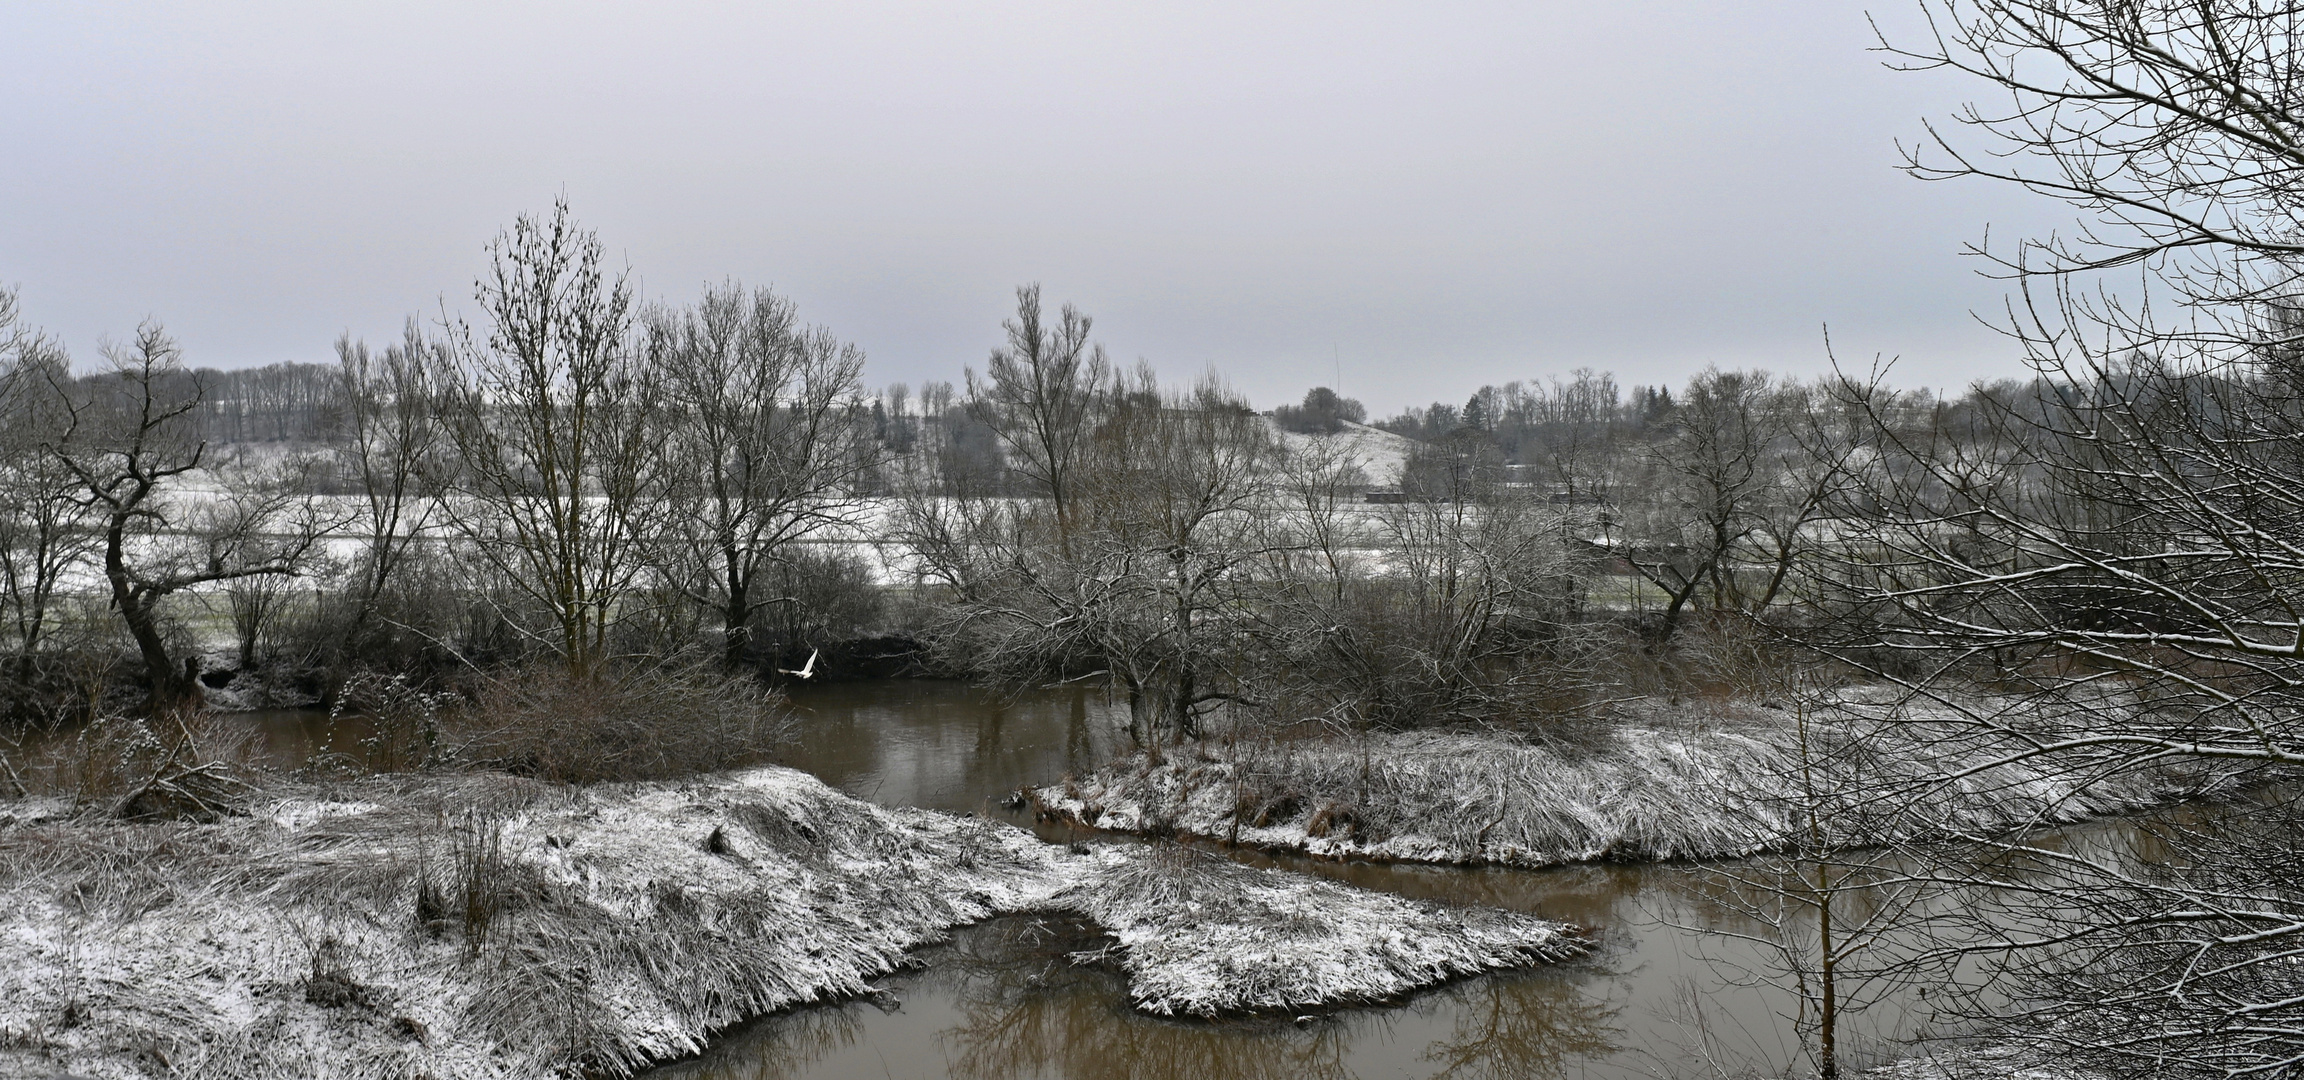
x: 1379, y: 453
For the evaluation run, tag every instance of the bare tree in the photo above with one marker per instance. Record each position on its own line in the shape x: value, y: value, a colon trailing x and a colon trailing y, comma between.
x: 1319, y: 534
x: 903, y: 427
x: 1734, y: 489
x: 390, y: 433
x: 1177, y: 482
x: 1481, y: 578
x: 2116, y: 546
x: 126, y: 442
x: 1041, y: 395
x: 43, y: 534
x: 1143, y: 582
x: 556, y: 467
x: 761, y: 432
x: 1578, y: 431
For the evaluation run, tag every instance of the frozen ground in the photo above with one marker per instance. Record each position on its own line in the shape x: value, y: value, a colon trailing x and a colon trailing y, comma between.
x: 485, y: 926
x: 1655, y: 782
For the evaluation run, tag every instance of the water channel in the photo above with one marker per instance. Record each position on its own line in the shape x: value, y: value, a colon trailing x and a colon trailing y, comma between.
x: 1658, y: 998
x: 1670, y: 991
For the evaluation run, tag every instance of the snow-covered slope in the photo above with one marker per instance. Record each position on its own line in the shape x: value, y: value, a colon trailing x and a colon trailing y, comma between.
x: 1380, y: 454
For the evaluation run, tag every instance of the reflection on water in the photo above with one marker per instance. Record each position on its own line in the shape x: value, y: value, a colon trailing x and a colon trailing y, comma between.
x: 1004, y: 1000
x: 293, y: 738
x: 947, y: 745
x: 49, y: 760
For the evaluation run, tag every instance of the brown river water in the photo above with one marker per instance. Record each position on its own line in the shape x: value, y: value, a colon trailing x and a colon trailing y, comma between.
x: 1669, y: 992
x: 1003, y: 1000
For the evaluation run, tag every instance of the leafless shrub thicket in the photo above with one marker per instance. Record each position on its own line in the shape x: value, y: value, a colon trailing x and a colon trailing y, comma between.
x: 1131, y: 563
x: 655, y: 723
x: 2126, y: 521
x: 1173, y: 542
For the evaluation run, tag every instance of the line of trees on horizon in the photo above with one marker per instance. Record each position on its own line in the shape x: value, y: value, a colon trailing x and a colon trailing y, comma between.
x: 589, y: 477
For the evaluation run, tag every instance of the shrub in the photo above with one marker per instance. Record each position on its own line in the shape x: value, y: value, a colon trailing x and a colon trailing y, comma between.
x: 170, y: 765
x: 833, y: 597
x: 646, y: 724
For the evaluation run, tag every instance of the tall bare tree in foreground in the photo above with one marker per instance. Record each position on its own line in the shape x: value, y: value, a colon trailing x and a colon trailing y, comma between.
x: 126, y: 441
x: 2116, y: 548
x: 760, y: 429
x: 547, y: 410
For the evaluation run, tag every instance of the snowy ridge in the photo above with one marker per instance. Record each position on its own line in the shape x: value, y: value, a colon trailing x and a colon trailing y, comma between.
x: 490, y: 927
x: 298, y: 941
x: 1657, y: 785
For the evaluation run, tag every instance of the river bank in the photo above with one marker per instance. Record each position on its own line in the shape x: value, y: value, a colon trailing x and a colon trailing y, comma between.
x: 487, y: 926
x: 1654, y: 781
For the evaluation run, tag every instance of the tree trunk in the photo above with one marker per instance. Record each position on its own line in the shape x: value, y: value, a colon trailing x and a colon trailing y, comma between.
x: 135, y: 607
x: 735, y: 634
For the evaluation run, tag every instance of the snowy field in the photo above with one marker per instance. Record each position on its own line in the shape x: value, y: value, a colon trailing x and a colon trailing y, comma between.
x: 1380, y: 455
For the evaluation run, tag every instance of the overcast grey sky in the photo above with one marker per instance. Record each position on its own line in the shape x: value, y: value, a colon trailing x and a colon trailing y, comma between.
x: 1431, y: 196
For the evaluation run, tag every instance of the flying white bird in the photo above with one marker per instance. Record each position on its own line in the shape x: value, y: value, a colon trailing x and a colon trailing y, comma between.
x: 807, y: 670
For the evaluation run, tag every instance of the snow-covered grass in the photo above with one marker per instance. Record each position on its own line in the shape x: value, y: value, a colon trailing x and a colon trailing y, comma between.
x: 1202, y: 935
x: 1655, y: 782
x: 1978, y: 1063
x: 474, y: 926
x: 485, y: 926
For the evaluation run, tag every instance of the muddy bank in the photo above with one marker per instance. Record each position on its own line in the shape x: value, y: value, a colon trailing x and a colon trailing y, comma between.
x: 1658, y: 782
x: 486, y: 926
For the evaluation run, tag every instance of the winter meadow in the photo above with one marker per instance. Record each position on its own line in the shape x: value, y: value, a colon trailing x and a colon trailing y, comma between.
x: 595, y: 679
